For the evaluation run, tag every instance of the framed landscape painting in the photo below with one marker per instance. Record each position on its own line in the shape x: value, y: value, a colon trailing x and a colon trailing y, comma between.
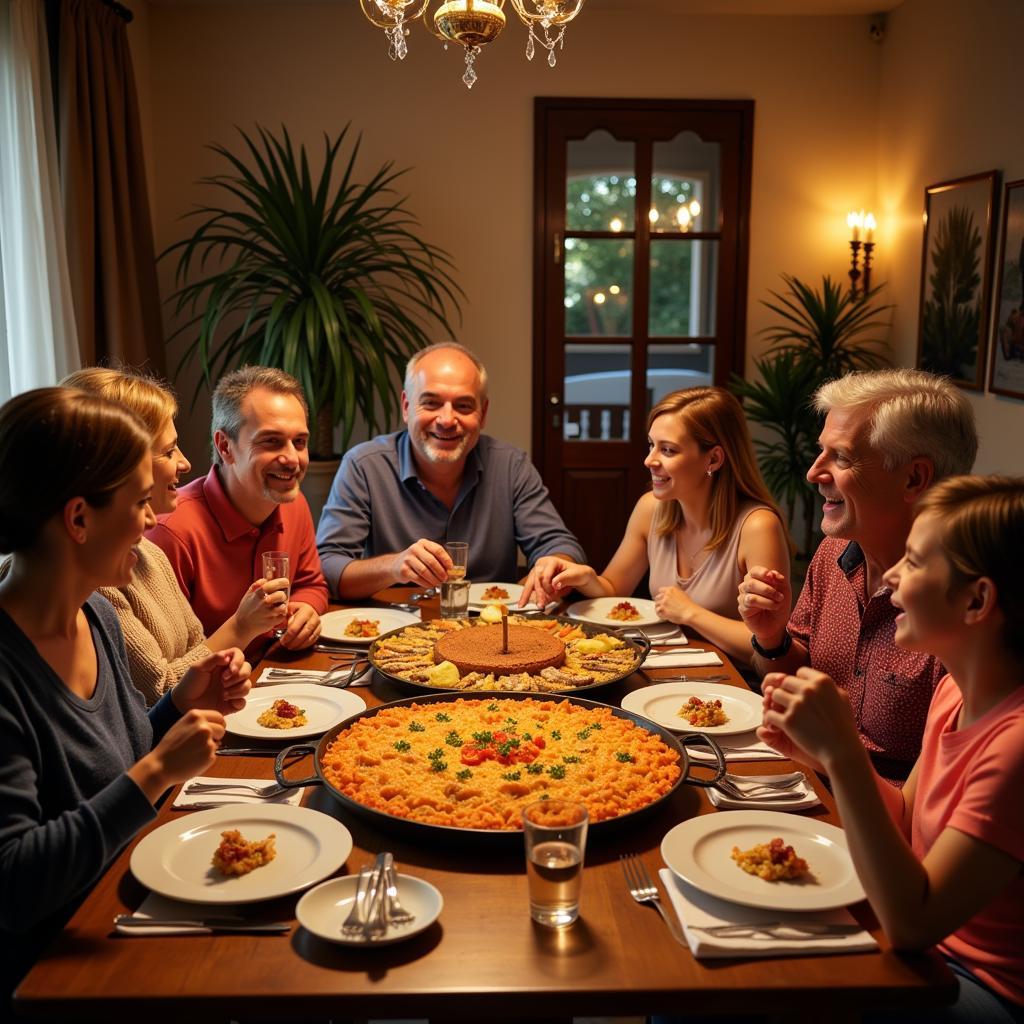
x: 1006, y: 374
x: 956, y: 277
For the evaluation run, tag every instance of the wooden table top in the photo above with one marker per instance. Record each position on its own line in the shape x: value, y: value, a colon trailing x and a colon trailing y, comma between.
x: 483, y: 958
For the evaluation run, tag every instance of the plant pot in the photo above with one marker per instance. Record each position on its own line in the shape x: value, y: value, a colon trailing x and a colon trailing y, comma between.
x: 316, y: 484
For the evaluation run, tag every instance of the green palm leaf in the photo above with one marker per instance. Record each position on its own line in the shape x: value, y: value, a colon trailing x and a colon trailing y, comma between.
x: 323, y: 277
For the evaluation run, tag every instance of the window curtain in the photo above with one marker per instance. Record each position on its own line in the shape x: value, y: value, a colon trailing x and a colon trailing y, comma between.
x: 103, y: 184
x: 37, y: 322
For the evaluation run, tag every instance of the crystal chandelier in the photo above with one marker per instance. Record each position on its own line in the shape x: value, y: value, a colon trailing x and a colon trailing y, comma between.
x: 473, y: 24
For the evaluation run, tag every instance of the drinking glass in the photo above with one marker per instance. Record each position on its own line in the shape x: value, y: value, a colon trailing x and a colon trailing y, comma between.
x: 556, y: 838
x: 455, y: 590
x: 277, y: 565
x: 458, y: 552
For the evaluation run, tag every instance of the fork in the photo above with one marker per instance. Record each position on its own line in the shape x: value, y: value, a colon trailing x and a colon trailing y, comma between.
x: 273, y: 789
x: 780, y: 789
x: 394, y: 912
x: 643, y: 890
x: 355, y: 922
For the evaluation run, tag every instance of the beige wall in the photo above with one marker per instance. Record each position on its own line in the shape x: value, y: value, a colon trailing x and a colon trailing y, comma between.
x: 951, y: 105
x: 315, y: 66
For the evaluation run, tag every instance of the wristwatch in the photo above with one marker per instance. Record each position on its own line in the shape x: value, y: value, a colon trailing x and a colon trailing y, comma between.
x: 772, y: 653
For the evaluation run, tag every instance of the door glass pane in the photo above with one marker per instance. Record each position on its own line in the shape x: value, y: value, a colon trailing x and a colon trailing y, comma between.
x: 598, y: 286
x: 596, y: 389
x: 685, y: 185
x: 600, y: 192
x: 684, y: 288
x: 673, y: 367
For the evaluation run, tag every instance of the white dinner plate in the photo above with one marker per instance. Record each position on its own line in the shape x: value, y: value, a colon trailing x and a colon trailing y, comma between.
x: 325, y: 707
x: 596, y: 610
x: 175, y: 859
x: 661, y: 702
x: 323, y: 909
x: 699, y: 852
x: 332, y: 624
x: 477, y: 599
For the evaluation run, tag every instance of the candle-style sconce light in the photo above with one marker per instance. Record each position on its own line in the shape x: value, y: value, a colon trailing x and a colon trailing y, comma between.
x: 862, y: 236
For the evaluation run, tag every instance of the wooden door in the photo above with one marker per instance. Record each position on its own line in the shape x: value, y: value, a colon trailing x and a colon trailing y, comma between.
x: 640, y: 279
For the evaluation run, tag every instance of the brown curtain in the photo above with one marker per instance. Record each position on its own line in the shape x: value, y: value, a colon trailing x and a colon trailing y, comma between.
x: 103, y: 184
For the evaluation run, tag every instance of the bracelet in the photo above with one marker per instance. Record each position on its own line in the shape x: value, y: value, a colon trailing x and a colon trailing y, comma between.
x: 772, y: 653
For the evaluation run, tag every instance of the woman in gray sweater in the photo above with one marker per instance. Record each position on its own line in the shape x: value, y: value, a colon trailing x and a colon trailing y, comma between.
x: 83, y: 762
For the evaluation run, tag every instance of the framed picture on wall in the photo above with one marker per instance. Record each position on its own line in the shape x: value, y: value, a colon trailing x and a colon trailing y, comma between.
x: 1006, y: 372
x: 956, y: 277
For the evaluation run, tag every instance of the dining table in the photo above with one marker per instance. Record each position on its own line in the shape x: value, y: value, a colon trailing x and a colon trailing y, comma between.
x: 483, y: 958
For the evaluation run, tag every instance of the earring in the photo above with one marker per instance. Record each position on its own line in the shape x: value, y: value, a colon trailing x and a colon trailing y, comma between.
x: 710, y: 473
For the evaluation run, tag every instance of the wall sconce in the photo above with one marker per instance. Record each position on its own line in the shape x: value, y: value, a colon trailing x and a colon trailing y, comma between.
x: 860, y: 223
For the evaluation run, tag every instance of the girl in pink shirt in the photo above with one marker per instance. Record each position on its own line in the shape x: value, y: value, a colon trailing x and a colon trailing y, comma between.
x: 941, y: 860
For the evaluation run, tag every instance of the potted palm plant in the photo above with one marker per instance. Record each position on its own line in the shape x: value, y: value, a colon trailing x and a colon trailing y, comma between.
x: 820, y: 336
x: 326, y: 280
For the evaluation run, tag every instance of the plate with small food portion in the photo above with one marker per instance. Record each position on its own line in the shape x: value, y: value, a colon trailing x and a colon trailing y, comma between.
x: 766, y: 859
x: 241, y: 854
x: 363, y: 625
x: 293, y: 711
x: 507, y: 594
x: 615, y: 611
x: 712, y: 708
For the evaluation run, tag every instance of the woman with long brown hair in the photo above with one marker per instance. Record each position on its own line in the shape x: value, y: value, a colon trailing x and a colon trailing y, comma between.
x: 707, y: 517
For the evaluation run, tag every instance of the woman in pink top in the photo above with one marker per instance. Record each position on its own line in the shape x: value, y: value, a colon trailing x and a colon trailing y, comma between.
x: 940, y: 860
x: 707, y: 517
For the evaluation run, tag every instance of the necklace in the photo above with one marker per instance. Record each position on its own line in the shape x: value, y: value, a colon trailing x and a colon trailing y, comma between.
x: 690, y: 555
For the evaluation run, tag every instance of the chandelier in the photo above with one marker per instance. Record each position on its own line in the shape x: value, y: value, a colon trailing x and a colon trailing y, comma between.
x: 472, y: 24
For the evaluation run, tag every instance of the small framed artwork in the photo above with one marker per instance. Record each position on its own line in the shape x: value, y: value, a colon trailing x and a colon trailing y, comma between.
x: 1006, y: 372
x: 956, y: 277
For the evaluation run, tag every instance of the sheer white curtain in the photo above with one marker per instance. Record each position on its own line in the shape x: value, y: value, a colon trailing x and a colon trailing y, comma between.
x: 38, y: 343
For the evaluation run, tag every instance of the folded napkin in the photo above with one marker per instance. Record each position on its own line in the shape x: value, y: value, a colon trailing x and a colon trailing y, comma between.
x: 698, y: 910
x: 184, y: 800
x: 744, y: 746
x: 364, y: 679
x: 156, y: 907
x: 765, y: 800
x: 681, y: 658
x: 660, y: 643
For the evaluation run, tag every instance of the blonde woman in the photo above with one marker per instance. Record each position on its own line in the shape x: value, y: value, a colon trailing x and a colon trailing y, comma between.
x: 161, y: 632
x: 707, y: 517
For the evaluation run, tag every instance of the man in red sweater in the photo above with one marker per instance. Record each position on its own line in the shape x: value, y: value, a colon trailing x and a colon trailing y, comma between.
x: 249, y: 503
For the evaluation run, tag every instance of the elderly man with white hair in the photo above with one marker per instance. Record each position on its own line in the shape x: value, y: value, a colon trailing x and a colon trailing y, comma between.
x: 888, y: 436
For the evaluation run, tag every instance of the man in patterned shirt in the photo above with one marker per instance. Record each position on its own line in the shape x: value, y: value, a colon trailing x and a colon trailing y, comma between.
x: 888, y: 436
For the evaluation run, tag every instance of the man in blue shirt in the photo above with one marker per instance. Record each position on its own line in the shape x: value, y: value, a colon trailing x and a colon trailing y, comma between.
x: 398, y: 498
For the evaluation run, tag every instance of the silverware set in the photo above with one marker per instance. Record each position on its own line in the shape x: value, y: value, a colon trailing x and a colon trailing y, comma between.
x: 376, y: 906
x: 265, y: 791
x: 778, y: 930
x: 782, y: 787
x: 339, y: 676
x: 688, y: 679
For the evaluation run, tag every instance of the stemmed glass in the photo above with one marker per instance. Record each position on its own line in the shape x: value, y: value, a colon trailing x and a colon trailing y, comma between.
x: 276, y: 566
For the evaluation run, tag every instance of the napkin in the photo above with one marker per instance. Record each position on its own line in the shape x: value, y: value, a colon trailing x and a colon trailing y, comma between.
x: 681, y: 659
x: 807, y: 798
x: 364, y: 679
x: 697, y: 909
x: 744, y: 746
x: 184, y: 800
x: 156, y: 907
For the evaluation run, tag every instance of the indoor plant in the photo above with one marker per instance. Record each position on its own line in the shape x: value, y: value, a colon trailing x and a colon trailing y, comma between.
x: 820, y: 336
x: 328, y: 282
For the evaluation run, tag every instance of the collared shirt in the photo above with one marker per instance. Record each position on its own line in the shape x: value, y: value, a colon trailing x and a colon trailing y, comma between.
x: 850, y: 635
x: 378, y: 505
x: 216, y: 553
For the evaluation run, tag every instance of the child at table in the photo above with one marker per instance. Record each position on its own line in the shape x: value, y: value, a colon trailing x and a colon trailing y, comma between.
x: 941, y: 860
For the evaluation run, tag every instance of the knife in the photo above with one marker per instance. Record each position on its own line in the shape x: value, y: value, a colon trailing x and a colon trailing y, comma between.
x: 777, y: 929
x: 246, y: 752
x: 209, y: 924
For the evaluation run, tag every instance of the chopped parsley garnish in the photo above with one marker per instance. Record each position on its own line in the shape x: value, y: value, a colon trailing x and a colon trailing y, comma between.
x: 437, y: 761
x: 571, y: 759
x: 512, y: 722
x: 402, y: 746
x: 545, y: 796
x: 416, y: 727
x: 557, y: 771
x: 512, y: 776
x: 442, y: 717
x: 463, y: 775
x: 583, y: 734
x: 492, y: 707
x: 595, y: 725
x: 555, y: 734
x: 438, y: 766
x: 526, y: 736
x: 535, y: 769
x: 453, y: 739
x: 506, y: 748
x: 483, y: 739
x: 621, y: 755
